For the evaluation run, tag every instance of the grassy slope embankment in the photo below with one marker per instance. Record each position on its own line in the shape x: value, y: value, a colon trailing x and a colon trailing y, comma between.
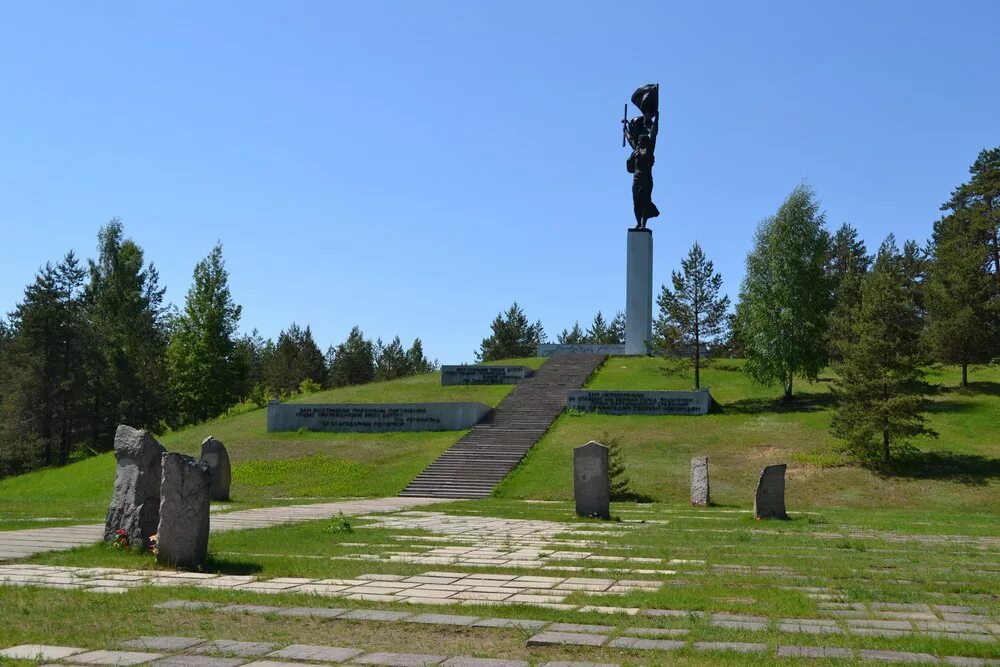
x: 958, y: 471
x: 267, y: 467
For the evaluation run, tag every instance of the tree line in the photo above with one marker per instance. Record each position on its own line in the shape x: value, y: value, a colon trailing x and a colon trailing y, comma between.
x: 93, y: 344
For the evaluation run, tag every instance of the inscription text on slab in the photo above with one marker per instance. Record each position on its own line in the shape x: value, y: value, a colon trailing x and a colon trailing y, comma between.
x: 614, y: 402
x: 374, y: 417
x: 483, y: 374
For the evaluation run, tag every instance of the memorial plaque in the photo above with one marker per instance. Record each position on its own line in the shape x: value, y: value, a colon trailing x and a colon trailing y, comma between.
x: 374, y: 417
x: 591, y: 483
x: 769, y: 503
x: 481, y: 374
x: 699, y: 482
x: 548, y: 349
x: 614, y: 402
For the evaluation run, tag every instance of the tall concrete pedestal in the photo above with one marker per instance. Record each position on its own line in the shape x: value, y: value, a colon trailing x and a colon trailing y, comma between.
x: 639, y: 292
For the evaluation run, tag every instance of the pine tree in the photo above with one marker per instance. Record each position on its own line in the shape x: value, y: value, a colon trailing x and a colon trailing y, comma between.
x: 786, y: 294
x: 295, y: 357
x: 416, y: 362
x: 127, y: 373
x: 598, y: 333
x: 574, y: 336
x: 880, y: 387
x: 979, y: 203
x: 390, y: 360
x: 961, y: 297
x: 512, y: 336
x: 354, y: 361
x: 205, y: 374
x: 694, y: 310
x: 616, y: 330
x: 849, y: 262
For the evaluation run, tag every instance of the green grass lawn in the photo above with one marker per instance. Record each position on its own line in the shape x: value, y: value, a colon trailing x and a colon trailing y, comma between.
x: 268, y: 468
x: 751, y: 428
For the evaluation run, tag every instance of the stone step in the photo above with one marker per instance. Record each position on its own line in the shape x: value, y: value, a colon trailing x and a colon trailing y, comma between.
x: 485, y: 455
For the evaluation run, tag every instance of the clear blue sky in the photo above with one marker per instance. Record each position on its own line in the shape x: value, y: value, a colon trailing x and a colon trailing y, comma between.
x: 414, y: 167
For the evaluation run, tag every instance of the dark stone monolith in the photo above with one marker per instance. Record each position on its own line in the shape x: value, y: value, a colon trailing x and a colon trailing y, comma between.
x: 699, y: 482
x: 215, y: 455
x: 769, y: 503
x: 182, y: 538
x: 591, y: 483
x: 135, y: 503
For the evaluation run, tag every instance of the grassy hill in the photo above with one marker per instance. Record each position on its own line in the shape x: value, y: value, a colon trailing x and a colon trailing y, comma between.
x: 751, y: 428
x: 268, y: 468
x: 958, y: 471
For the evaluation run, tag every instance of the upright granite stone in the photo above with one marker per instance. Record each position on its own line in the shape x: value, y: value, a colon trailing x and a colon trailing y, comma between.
x: 699, y: 482
x: 591, y: 483
x: 182, y: 538
x: 769, y: 503
x: 215, y: 455
x: 135, y: 504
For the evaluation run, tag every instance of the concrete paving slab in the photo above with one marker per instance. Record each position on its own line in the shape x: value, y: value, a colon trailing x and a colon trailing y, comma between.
x: 312, y: 612
x: 813, y: 652
x: 39, y: 652
x: 400, y: 659
x: 522, y: 623
x: 375, y: 615
x: 567, y: 638
x: 312, y: 652
x: 230, y: 647
x: 442, y: 619
x: 646, y: 644
x: 579, y: 627
x: 197, y: 661
x: 113, y: 658
x: 162, y: 643
x: 482, y: 662
x: 738, y: 647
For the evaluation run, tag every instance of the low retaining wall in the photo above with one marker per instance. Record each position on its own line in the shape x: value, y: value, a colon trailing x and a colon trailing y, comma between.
x: 613, y: 402
x: 374, y: 417
x: 481, y: 374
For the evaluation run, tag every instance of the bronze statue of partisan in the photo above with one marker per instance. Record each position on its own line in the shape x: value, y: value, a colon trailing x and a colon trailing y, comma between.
x: 640, y: 132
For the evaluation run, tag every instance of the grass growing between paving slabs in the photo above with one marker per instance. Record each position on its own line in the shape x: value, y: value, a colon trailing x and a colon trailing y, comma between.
x: 720, y: 561
x: 752, y: 428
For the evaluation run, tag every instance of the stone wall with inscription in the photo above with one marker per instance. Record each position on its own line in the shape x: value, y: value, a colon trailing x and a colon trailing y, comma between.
x: 374, y: 417
x: 613, y: 402
x: 481, y: 374
x: 548, y: 349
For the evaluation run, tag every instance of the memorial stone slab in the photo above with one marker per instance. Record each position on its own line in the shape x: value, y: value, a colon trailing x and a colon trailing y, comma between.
x: 699, y: 482
x: 214, y: 453
x: 135, y: 504
x: 619, y: 402
x: 549, y: 349
x: 182, y: 537
x: 591, y: 483
x: 374, y: 417
x: 769, y: 502
x: 483, y: 374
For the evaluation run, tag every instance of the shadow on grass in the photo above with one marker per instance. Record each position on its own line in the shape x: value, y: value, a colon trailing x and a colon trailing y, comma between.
x: 798, y: 403
x: 974, y: 388
x: 970, y: 469
x: 632, y: 497
x: 216, y: 565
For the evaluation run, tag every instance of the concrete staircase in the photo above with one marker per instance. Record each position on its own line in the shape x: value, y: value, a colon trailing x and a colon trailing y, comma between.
x: 477, y: 462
